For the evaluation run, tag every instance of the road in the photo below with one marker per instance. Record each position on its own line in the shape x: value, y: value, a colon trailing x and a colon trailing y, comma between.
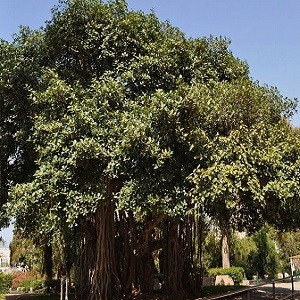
x: 282, y: 289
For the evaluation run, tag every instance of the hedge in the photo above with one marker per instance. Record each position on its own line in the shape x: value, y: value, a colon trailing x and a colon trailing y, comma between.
x: 36, y: 285
x: 236, y: 273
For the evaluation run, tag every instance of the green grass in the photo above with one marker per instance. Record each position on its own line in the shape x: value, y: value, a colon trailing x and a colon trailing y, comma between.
x: 219, y: 289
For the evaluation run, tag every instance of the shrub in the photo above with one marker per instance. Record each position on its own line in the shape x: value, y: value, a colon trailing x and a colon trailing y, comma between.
x: 19, y: 277
x: 5, y: 282
x: 36, y: 285
x: 39, y: 286
x: 236, y: 273
x: 25, y: 286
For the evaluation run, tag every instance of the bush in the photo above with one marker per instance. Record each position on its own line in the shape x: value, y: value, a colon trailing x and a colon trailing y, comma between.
x: 19, y: 277
x: 5, y: 282
x: 36, y: 285
x: 236, y: 273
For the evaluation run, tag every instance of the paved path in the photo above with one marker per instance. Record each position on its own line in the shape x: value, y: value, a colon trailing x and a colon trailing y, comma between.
x: 265, y: 292
x: 282, y: 289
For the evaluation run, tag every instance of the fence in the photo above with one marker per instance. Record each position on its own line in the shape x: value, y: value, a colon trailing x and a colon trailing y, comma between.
x: 246, y: 293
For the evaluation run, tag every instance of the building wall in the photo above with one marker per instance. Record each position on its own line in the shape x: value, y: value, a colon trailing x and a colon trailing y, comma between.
x: 4, y: 259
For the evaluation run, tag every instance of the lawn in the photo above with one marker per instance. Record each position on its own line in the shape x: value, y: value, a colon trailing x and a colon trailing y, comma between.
x: 219, y: 289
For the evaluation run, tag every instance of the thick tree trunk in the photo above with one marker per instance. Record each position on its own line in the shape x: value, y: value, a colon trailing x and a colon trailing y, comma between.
x: 86, y: 260
x: 105, y: 281
x: 225, y: 247
x: 127, y: 260
x: 148, y: 244
x: 146, y: 272
x: 188, y: 240
x: 48, y: 262
x: 172, y: 263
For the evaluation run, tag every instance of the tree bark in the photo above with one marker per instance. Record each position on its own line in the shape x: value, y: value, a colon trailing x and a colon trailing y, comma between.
x: 225, y: 247
x: 146, y: 272
x: 188, y: 240
x: 201, y: 234
x: 48, y: 262
x: 172, y: 263
x: 105, y: 281
x: 86, y: 259
x: 148, y: 244
x: 127, y: 260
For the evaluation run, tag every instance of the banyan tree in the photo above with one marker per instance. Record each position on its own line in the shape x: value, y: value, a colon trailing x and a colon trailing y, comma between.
x: 131, y: 124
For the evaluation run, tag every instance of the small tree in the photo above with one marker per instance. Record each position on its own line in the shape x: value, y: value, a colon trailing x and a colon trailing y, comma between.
x: 265, y: 260
x: 242, y: 250
x: 289, y: 245
x: 211, y: 251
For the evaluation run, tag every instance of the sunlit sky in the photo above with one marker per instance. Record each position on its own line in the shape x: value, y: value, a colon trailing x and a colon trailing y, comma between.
x: 264, y: 33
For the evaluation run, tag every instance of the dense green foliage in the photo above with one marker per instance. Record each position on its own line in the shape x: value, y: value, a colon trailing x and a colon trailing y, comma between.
x: 265, y: 260
x: 211, y: 250
x: 24, y: 252
x: 241, y: 252
x: 5, y: 283
x: 261, y: 254
x: 288, y: 245
x: 35, y: 285
x: 134, y: 135
x: 236, y: 273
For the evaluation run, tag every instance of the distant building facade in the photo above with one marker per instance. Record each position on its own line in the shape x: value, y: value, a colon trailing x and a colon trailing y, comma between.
x: 4, y: 259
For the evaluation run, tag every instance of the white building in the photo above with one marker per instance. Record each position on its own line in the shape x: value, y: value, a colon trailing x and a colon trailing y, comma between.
x: 4, y: 259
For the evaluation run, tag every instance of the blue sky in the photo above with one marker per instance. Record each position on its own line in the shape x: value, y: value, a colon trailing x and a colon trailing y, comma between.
x: 265, y: 33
